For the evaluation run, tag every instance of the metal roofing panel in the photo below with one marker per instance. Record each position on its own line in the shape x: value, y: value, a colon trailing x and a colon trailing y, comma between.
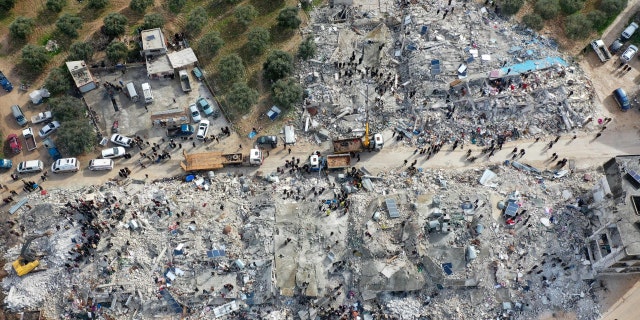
x: 393, y: 208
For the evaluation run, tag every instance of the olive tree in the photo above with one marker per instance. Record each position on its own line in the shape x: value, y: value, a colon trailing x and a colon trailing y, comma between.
x: 547, y: 9
x: 56, y: 5
x: 34, y: 57
x: 258, y: 40
x: 58, y: 80
x: 116, y: 51
x: 97, y: 4
x: 140, y: 6
x: 176, y: 5
x: 307, y: 48
x: 196, y: 20
x: 245, y: 14
x: 241, y: 97
x: 67, y: 108
x: 577, y: 26
x: 612, y: 7
x: 115, y: 24
x: 230, y: 69
x: 288, y: 18
x: 77, y: 137
x: 510, y: 7
x: 598, y: 19
x: 21, y: 27
x: 69, y: 24
x: 210, y: 44
x: 7, y: 5
x: 571, y: 6
x: 279, y: 65
x: 286, y: 93
x: 152, y: 20
x: 533, y: 21
x: 80, y: 51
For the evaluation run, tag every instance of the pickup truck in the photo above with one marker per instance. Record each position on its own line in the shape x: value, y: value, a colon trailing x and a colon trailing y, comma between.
x: 29, y: 139
x: 184, y: 80
x: 5, y: 83
x: 41, y: 117
x: 338, y: 161
x: 183, y: 130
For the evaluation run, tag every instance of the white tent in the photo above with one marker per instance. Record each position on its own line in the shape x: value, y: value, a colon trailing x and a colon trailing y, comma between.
x: 37, y: 95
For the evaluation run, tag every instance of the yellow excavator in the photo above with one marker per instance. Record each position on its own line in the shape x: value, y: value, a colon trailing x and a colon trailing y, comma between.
x: 27, y: 261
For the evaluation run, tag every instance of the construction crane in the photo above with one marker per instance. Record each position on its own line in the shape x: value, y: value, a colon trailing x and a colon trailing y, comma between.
x: 27, y: 261
x: 365, y: 141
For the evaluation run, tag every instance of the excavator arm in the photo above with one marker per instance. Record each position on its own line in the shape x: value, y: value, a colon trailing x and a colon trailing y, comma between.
x: 27, y: 261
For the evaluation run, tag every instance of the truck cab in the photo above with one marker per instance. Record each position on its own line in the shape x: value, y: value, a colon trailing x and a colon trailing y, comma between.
x: 378, y: 142
x: 316, y: 163
x: 255, y: 157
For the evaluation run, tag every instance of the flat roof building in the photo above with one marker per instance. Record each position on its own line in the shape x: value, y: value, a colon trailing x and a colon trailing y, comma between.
x: 153, y: 42
x: 81, y: 75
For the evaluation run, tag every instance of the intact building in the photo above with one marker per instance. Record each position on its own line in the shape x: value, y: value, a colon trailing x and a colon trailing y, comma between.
x: 614, y: 243
x: 153, y: 43
x: 81, y: 76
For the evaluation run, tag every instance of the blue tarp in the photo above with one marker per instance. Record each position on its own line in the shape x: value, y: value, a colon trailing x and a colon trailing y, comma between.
x: 448, y: 268
x: 531, y: 65
x: 189, y: 178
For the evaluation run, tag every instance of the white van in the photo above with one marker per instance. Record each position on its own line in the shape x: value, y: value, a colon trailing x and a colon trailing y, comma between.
x: 131, y: 92
x: 30, y: 166
x: 146, y: 92
x: 100, y: 164
x: 65, y: 165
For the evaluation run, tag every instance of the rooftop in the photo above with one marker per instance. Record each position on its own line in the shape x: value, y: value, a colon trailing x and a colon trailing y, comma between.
x: 182, y: 58
x: 79, y: 72
x: 153, y: 39
x: 622, y: 176
x: 158, y: 65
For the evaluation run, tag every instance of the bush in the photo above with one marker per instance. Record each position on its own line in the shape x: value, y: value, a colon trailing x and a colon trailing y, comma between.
x: 286, y: 93
x: 140, y: 6
x: 307, y: 48
x: 245, y: 14
x: 21, y: 27
x: 97, y: 4
x: 67, y: 108
x: 258, y: 40
x: 599, y: 19
x: 78, y: 137
x: 116, y: 51
x: 176, y: 5
x: 241, y: 97
x: 196, y: 20
x: 34, y: 57
x: 7, y: 5
x: 56, y: 5
x: 209, y: 45
x: 288, y: 18
x: 533, y: 21
x: 58, y: 81
x: 115, y: 24
x: 279, y: 65
x: 577, y: 26
x: 69, y: 25
x: 230, y: 69
x: 612, y: 7
x: 510, y: 7
x: 152, y: 20
x: 571, y: 6
x: 547, y: 9
x: 80, y: 51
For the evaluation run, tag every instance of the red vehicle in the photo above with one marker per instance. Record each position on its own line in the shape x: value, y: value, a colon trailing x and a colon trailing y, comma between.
x: 16, y: 147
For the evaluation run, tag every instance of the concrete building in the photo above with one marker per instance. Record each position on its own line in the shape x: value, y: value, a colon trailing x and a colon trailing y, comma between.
x: 614, y: 245
x: 81, y: 76
x: 153, y: 43
x: 182, y: 59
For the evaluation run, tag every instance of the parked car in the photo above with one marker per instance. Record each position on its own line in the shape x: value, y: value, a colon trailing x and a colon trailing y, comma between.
x: 207, y: 109
x: 14, y: 143
x: 197, y: 73
x: 203, y: 128
x: 49, y: 129
x: 6, y: 164
x: 121, y: 140
x: 114, y: 152
x: 30, y: 166
x: 629, y: 31
x: 19, y: 115
x: 629, y: 53
x: 622, y: 99
x: 195, y: 114
x: 615, y: 46
x: 268, y: 140
x: 65, y: 165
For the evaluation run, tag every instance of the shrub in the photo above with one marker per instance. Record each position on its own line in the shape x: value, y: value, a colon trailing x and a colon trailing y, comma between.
x: 67, y: 108
x: 241, y: 97
x: 80, y: 51
x: 510, y: 7
x: 599, y: 19
x: 176, y: 5
x: 286, y: 93
x: 279, y: 65
x: 58, y: 81
x: 34, y: 57
x: 307, y: 48
x: 69, y: 25
x: 140, y: 6
x: 288, y: 18
x: 258, y: 40
x: 116, y: 51
x: 612, y: 7
x: 577, y: 26
x: 115, y: 24
x: 196, y: 20
x: 97, y: 4
x: 245, y: 14
x: 7, y: 5
x: 77, y: 137
x: 571, y: 6
x: 210, y: 44
x: 56, y: 5
x: 547, y: 9
x: 152, y: 20
x: 533, y: 21
x: 230, y: 69
x: 21, y: 27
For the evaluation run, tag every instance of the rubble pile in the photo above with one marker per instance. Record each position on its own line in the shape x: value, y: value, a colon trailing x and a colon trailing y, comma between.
x: 470, y: 76
x: 234, y: 246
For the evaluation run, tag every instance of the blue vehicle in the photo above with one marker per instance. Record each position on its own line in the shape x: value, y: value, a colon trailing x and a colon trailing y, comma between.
x: 622, y: 99
x: 5, y: 83
x: 6, y: 163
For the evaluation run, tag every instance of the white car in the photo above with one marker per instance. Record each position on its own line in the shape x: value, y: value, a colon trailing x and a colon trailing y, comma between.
x: 114, y: 152
x: 121, y: 140
x: 48, y: 129
x: 30, y: 166
x: 629, y: 53
x: 203, y: 127
x: 195, y: 114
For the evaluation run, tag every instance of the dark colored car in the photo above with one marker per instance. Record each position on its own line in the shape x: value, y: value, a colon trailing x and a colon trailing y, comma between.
x: 270, y: 140
x: 622, y: 99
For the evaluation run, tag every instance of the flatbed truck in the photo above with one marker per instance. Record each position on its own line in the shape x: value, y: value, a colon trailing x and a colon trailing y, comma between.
x: 218, y: 160
x: 357, y: 145
x: 338, y: 161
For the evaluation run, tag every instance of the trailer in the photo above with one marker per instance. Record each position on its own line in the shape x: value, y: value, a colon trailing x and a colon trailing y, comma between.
x: 338, y: 161
x: 218, y: 160
x: 29, y: 138
x: 601, y: 50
